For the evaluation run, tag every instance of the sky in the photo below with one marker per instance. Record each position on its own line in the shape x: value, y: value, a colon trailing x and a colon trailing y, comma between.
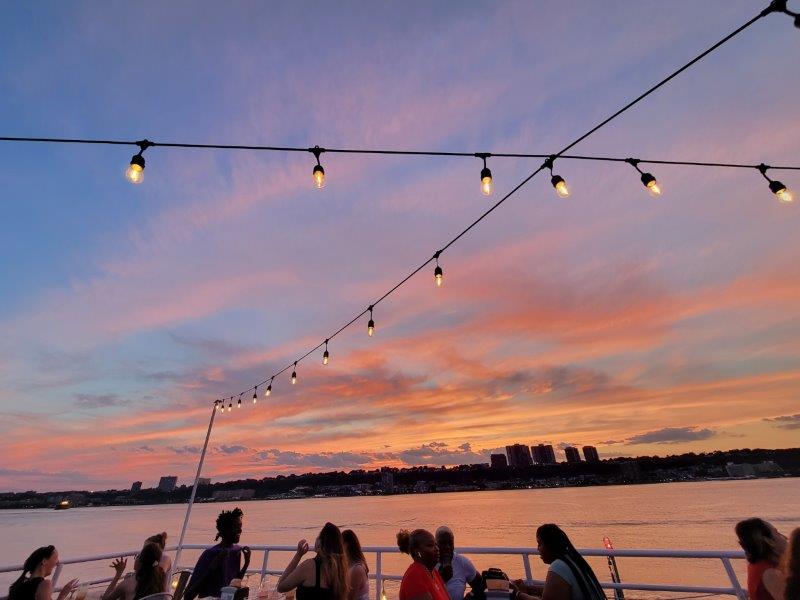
x: 642, y: 326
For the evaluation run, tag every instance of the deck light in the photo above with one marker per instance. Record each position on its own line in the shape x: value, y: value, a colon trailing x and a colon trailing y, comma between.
x: 325, y: 355
x: 438, y: 274
x: 318, y: 172
x: 781, y: 192
x: 255, y: 395
x: 648, y: 180
x: 239, y: 403
x: 135, y: 171
x: 371, y: 324
x: 269, y: 387
x: 230, y: 404
x: 486, y: 175
x: 294, y: 373
x: 558, y: 182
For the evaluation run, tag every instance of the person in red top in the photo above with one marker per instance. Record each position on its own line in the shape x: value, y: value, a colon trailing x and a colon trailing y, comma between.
x: 421, y: 580
x: 763, y: 547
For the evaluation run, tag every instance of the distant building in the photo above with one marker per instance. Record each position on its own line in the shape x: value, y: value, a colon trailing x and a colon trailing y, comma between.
x: 630, y: 470
x: 743, y: 470
x: 499, y: 461
x: 519, y: 456
x: 387, y: 481
x: 767, y: 467
x: 204, y: 481
x: 543, y: 454
x: 421, y: 487
x: 167, y: 483
x: 136, y: 487
x: 573, y: 454
x: 590, y: 454
x: 234, y: 494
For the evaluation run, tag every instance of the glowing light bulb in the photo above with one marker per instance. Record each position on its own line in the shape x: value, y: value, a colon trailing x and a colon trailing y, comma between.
x: 269, y: 391
x: 319, y: 176
x: 294, y: 377
x: 651, y: 184
x: 135, y: 171
x: 255, y: 396
x: 438, y: 275
x: 239, y: 403
x: 486, y: 181
x: 370, y: 328
x: 325, y: 357
x: 230, y: 406
x: 781, y: 192
x: 560, y: 186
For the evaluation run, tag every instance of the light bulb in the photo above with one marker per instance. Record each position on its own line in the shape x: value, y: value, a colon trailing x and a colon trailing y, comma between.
x: 135, y: 171
x: 230, y: 406
x: 560, y: 185
x: 370, y: 328
x: 239, y: 403
x: 294, y: 377
x: 325, y: 357
x: 781, y: 192
x: 255, y: 396
x: 651, y: 184
x: 486, y: 181
x: 319, y: 176
x: 269, y: 391
x: 438, y: 275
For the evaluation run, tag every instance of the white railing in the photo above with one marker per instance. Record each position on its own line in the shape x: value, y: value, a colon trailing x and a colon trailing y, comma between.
x: 725, y: 557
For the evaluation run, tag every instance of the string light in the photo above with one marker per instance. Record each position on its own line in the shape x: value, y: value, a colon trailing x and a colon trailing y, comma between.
x: 438, y: 274
x: 230, y: 404
x: 556, y: 180
x: 325, y: 355
x: 239, y: 403
x: 776, y: 187
x: 135, y: 171
x: 318, y: 172
x: 255, y: 395
x: 648, y: 180
x: 486, y: 175
x: 269, y: 387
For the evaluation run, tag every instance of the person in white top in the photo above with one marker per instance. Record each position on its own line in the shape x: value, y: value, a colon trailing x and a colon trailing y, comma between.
x: 358, y: 571
x: 569, y: 577
x: 456, y: 570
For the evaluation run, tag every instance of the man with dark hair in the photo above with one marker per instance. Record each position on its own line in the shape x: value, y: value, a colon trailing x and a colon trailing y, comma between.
x: 220, y: 564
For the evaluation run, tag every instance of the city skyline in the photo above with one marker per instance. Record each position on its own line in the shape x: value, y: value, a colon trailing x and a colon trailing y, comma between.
x: 637, y: 325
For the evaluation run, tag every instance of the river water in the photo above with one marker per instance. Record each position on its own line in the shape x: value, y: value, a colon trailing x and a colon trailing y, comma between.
x: 696, y: 516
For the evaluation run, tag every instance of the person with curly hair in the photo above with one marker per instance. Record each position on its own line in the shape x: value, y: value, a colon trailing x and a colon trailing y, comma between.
x: 421, y: 580
x: 220, y: 564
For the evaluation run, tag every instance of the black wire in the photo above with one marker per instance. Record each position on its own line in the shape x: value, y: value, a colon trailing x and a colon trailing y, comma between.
x: 774, y: 5
x: 394, y: 152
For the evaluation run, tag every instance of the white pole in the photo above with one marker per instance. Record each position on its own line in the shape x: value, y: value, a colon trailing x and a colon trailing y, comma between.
x: 194, y: 489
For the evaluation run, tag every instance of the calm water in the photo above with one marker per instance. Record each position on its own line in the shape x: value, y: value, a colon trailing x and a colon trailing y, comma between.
x: 698, y: 516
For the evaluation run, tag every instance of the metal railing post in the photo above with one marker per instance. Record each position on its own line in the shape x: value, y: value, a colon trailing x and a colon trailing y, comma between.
x: 264, y: 565
x: 378, y: 576
x: 740, y: 593
x: 526, y: 560
x: 57, y: 572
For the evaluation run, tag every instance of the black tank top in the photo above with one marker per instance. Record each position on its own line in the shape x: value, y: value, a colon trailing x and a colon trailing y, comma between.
x: 26, y: 590
x: 306, y: 592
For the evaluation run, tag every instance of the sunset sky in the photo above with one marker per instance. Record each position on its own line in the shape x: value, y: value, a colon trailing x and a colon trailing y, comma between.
x: 639, y: 325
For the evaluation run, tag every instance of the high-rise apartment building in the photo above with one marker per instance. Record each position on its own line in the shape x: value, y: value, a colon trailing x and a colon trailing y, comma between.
x: 590, y: 454
x: 543, y: 454
x: 519, y: 456
x: 573, y: 454
x: 167, y: 483
x: 499, y: 461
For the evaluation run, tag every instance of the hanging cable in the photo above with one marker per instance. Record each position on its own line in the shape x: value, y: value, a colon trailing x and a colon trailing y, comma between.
x: 775, y: 6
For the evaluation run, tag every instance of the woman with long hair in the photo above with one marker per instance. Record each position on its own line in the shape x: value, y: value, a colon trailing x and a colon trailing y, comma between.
x: 763, y: 547
x: 161, y: 540
x: 569, y: 577
x: 421, y: 581
x: 148, y: 576
x: 357, y: 574
x: 33, y: 584
x: 791, y: 567
x: 325, y: 576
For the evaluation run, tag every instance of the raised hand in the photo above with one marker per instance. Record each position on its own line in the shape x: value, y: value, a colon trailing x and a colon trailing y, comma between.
x: 119, y: 565
x: 302, y: 547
